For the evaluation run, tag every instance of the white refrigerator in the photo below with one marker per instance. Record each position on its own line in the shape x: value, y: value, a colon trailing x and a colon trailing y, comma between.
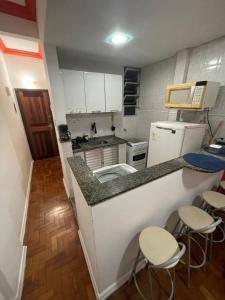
x: 169, y: 140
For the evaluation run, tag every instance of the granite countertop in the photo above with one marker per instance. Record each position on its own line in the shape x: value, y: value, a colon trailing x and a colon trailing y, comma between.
x: 96, y: 192
x: 100, y: 142
x: 63, y: 141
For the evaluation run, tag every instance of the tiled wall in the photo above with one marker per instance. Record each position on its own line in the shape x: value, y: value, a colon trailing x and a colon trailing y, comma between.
x: 207, y: 62
x: 80, y: 124
x: 154, y: 79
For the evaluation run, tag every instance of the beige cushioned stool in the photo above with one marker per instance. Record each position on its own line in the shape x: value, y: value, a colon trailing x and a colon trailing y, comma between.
x: 215, y: 199
x: 158, y: 245
x: 222, y: 184
x: 159, y: 250
x: 195, y: 218
x: 197, y: 221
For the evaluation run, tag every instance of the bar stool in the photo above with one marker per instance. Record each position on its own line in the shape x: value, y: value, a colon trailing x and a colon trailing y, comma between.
x: 196, y: 220
x: 214, y: 202
x: 222, y: 185
x: 159, y: 250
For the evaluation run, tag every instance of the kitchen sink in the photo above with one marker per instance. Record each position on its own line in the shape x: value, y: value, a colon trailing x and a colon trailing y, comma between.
x: 112, y: 172
x: 99, y: 142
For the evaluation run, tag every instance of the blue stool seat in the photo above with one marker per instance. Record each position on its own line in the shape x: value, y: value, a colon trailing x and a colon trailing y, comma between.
x: 206, y: 162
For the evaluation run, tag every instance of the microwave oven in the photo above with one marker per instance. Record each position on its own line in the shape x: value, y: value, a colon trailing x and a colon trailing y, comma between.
x: 193, y: 95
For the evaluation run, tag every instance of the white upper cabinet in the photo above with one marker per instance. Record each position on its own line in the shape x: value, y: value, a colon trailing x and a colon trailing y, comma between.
x: 74, y: 91
x: 95, y: 92
x: 113, y: 92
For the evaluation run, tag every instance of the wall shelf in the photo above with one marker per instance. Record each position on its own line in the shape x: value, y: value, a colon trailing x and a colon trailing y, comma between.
x: 131, y: 90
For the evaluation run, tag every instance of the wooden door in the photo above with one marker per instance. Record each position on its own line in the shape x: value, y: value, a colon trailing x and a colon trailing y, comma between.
x: 37, y: 117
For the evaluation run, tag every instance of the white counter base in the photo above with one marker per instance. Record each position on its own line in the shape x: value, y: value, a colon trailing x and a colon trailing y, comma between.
x: 109, y: 230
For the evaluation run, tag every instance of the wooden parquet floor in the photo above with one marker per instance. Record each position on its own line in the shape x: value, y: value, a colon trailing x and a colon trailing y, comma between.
x: 56, y: 267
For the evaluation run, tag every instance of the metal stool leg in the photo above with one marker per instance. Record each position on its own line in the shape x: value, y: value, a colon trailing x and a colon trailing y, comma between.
x: 189, y: 260
x: 204, y: 253
x: 206, y: 250
x: 151, y: 283
x: 135, y: 266
x: 174, y: 283
x: 210, y: 245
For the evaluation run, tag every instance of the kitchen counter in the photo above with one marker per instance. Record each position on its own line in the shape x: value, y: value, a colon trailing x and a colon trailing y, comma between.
x: 96, y: 192
x: 100, y: 142
x: 109, y: 230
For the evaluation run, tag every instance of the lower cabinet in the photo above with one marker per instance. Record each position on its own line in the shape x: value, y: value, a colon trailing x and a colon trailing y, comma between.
x: 65, y: 150
x: 93, y: 158
x: 102, y: 157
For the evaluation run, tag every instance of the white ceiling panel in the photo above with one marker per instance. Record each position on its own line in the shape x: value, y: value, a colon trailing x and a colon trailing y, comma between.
x: 160, y: 28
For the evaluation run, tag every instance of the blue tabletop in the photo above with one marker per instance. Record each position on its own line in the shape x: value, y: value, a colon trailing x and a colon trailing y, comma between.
x: 204, y: 161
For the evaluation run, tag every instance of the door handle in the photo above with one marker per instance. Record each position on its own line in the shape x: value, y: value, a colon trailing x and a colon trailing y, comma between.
x: 50, y: 126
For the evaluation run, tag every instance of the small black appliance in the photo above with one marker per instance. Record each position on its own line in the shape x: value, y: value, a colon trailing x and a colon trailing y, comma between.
x: 64, y: 133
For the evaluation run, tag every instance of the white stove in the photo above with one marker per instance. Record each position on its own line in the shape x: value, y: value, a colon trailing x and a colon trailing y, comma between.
x: 137, y: 151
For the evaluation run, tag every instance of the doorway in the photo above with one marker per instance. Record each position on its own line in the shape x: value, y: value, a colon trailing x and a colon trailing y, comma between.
x: 38, y: 122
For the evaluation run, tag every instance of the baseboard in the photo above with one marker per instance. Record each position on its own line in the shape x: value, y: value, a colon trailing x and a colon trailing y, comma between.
x: 21, y: 274
x: 114, y: 286
x: 23, y: 227
x: 66, y: 188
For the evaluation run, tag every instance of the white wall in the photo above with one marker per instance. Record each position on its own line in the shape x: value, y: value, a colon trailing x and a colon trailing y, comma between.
x: 154, y: 79
x: 205, y: 62
x: 80, y: 124
x: 26, y: 72
x: 55, y: 84
x: 79, y: 61
x: 15, y: 162
x: 14, y: 25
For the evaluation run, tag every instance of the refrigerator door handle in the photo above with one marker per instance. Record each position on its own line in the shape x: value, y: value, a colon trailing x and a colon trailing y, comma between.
x: 170, y: 129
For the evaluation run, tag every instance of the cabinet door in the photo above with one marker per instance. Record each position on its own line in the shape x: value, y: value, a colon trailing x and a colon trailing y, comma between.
x: 94, y: 159
x: 110, y: 156
x: 94, y: 92
x: 74, y: 91
x: 113, y: 92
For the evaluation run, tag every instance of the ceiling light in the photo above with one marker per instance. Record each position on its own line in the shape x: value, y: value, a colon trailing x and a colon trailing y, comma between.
x: 118, y: 38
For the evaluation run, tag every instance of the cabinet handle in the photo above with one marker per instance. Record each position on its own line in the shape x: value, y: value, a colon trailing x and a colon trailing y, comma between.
x: 114, y: 110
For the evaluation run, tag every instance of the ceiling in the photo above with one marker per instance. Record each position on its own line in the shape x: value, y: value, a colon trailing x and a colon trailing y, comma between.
x: 160, y: 28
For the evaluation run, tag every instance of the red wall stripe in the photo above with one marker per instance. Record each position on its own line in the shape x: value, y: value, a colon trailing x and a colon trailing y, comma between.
x: 26, y: 12
x: 12, y: 51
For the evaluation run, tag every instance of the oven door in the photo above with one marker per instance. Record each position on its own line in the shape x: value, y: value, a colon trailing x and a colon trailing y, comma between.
x: 139, y: 157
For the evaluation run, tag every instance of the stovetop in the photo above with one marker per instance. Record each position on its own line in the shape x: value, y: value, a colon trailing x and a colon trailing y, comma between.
x: 75, y: 145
